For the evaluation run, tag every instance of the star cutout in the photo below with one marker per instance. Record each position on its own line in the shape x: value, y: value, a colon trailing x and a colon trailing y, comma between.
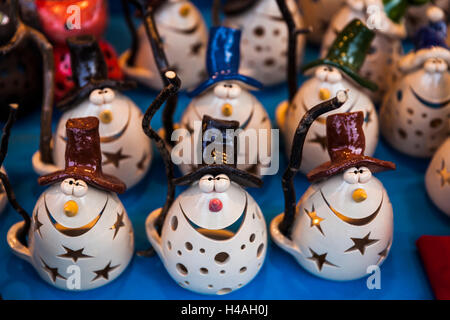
x: 104, y: 273
x: 74, y: 254
x: 114, y: 158
x: 383, y: 254
x: 37, y: 224
x: 361, y: 244
x: 196, y: 48
x: 118, y: 224
x: 140, y: 164
x: 320, y: 259
x: 368, y: 117
x: 53, y: 272
x: 315, y: 219
x: 322, y: 140
x: 445, y: 175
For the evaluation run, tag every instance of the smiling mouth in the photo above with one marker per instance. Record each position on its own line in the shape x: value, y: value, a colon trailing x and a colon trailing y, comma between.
x: 74, y: 232
x: 184, y: 31
x: 430, y: 104
x: 353, y: 221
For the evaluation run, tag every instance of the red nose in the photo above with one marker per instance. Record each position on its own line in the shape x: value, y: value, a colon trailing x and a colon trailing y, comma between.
x: 215, y: 205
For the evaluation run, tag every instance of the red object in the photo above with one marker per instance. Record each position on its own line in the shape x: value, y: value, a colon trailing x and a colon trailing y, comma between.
x: 435, y: 254
x: 63, y: 70
x: 215, y: 205
x: 59, y: 18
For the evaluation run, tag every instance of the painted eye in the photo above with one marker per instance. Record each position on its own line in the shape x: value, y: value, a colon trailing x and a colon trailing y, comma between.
x: 67, y: 186
x: 4, y: 19
x: 364, y: 174
x: 108, y: 95
x: 221, y: 91
x: 96, y: 97
x: 222, y: 183
x: 351, y: 175
x: 235, y: 91
x: 321, y: 73
x: 206, y: 183
x: 80, y: 188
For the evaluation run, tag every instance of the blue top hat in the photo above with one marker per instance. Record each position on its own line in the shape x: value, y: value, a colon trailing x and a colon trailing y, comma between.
x: 432, y: 35
x: 222, y: 59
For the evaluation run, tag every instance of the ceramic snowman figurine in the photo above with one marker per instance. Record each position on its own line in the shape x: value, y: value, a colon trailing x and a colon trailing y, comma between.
x: 212, y: 238
x: 337, y: 71
x: 264, y: 37
x: 79, y: 225
x: 386, y: 19
x: 415, y: 18
x: 184, y: 36
x: 225, y: 95
x: 318, y: 14
x: 344, y: 221
x: 413, y: 115
x: 126, y: 151
x: 437, y: 178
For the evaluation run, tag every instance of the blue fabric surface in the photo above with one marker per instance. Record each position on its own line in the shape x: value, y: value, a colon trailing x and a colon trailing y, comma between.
x: 402, y: 274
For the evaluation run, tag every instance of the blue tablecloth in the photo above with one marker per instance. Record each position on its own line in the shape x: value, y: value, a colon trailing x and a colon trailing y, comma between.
x: 402, y: 274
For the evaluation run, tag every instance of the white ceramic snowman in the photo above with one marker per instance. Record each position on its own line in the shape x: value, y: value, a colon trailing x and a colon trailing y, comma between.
x: 126, y: 151
x: 437, y: 178
x: 264, y: 37
x: 386, y: 21
x: 184, y: 36
x: 80, y: 236
x: 329, y: 78
x: 344, y: 222
x: 226, y: 95
x: 317, y: 13
x: 414, y: 112
x: 212, y: 239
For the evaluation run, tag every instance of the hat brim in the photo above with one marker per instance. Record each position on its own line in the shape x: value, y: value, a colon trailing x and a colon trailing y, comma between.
x: 241, y: 177
x: 329, y: 168
x: 101, y: 181
x: 356, y: 77
x: 253, y: 83
x: 78, y: 94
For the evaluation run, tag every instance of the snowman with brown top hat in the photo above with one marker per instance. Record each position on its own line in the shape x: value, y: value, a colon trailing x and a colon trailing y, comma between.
x: 343, y: 223
x: 126, y: 151
x: 79, y: 236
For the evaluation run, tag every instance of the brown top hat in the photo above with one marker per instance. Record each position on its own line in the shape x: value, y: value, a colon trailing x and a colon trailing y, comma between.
x: 84, y: 158
x: 346, y: 144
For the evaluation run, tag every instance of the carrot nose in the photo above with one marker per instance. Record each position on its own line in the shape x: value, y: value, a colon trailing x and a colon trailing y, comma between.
x: 359, y: 195
x: 215, y: 205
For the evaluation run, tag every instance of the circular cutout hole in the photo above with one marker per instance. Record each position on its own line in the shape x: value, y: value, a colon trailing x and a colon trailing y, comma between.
x: 243, y: 247
x: 204, y: 271
x: 224, y: 291
x: 210, y: 286
x: 188, y: 246
x: 243, y: 269
x: 202, y: 250
x: 187, y: 282
x: 240, y: 285
x: 174, y: 223
x: 169, y: 245
x: 252, y: 237
x: 182, y: 269
x: 222, y: 271
x: 260, y: 250
x: 179, y: 252
x: 222, y: 257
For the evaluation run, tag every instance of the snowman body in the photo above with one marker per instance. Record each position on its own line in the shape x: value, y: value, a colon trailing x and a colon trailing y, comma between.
x: 437, y: 178
x: 264, y: 41
x: 413, y: 115
x: 126, y: 150
x: 212, y: 252
x: 184, y: 36
x: 238, y: 105
x: 81, y: 252
x: 381, y: 60
x: 336, y: 238
x: 326, y: 83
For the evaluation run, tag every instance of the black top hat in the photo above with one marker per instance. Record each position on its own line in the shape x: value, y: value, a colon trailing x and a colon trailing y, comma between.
x: 220, y: 155
x: 89, y: 71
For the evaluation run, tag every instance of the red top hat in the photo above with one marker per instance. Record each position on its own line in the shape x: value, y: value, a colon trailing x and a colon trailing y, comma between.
x: 84, y: 158
x: 346, y: 144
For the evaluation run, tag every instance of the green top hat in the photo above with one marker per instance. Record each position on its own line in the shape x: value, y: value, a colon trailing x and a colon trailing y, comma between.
x: 348, y: 52
x: 396, y: 9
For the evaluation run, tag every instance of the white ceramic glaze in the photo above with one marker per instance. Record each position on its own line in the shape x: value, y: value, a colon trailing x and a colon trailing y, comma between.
x: 264, y: 41
x: 413, y: 115
x: 318, y: 14
x: 126, y: 150
x: 330, y: 80
x: 184, y: 37
x: 339, y: 246
x: 211, y: 252
x: 246, y: 109
x: 437, y: 178
x: 380, y: 63
x: 96, y: 244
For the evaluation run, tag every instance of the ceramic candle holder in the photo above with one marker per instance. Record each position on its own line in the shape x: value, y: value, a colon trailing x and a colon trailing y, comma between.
x: 184, y: 33
x: 344, y: 222
x: 437, y: 178
x: 126, y: 151
x: 79, y: 236
x: 264, y: 37
x: 413, y: 115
